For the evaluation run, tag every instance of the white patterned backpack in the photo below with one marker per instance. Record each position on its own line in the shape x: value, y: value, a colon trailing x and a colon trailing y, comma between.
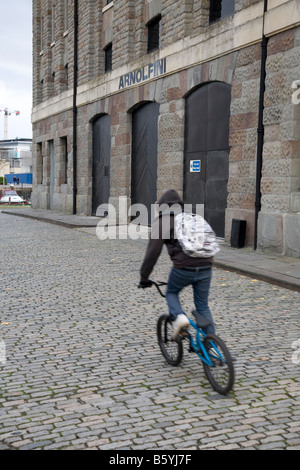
x: 195, y: 235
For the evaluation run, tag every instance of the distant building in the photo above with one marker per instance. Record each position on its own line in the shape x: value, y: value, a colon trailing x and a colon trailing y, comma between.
x: 197, y: 95
x: 17, y: 155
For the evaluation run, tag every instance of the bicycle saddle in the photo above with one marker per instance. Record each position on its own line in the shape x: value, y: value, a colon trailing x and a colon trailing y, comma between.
x: 201, y: 322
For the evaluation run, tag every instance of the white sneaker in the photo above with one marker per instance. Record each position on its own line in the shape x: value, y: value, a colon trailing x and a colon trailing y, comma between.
x: 179, y: 324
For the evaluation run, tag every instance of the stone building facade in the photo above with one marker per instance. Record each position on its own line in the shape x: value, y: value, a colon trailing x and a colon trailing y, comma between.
x: 171, y: 94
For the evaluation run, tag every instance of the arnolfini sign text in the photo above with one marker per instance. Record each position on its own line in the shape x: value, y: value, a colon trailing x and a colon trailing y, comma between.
x: 144, y: 73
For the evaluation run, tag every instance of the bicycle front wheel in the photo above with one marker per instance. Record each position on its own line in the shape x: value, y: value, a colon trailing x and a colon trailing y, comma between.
x: 172, y: 350
x: 220, y: 373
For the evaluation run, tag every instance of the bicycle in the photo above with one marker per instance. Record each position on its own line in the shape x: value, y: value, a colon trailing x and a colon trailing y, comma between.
x: 210, y: 348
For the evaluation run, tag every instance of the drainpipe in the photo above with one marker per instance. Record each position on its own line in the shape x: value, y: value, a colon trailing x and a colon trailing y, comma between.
x: 260, y: 129
x: 75, y: 105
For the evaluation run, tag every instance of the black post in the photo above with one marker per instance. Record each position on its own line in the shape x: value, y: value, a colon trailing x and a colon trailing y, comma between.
x: 260, y: 129
x: 75, y: 105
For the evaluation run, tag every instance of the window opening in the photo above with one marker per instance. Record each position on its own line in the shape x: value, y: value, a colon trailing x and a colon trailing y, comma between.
x: 66, y: 19
x: 53, y: 24
x: 64, y: 143
x: 220, y: 9
x: 154, y: 34
x: 108, y: 58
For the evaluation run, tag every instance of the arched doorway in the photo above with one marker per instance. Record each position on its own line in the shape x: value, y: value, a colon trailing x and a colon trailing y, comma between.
x: 206, y: 156
x: 144, y: 156
x: 101, y: 164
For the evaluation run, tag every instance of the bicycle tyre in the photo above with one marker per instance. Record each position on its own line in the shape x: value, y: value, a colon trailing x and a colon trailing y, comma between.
x: 221, y: 374
x: 172, y: 350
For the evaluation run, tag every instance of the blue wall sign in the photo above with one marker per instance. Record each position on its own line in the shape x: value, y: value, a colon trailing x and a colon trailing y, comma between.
x: 195, y: 166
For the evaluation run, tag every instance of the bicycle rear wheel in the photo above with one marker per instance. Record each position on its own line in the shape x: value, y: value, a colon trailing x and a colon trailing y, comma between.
x: 221, y: 373
x: 172, y: 350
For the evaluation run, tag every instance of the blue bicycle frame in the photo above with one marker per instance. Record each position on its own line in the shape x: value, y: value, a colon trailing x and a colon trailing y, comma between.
x: 197, y: 345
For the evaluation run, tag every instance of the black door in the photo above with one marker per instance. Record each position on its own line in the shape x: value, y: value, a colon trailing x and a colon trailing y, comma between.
x: 207, y: 149
x: 101, y: 165
x: 144, y: 156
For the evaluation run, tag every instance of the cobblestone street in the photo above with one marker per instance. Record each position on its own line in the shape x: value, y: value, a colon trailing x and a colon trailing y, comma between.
x: 83, y: 370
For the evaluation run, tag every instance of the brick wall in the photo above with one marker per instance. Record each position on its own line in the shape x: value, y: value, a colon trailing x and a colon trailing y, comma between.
x: 196, y: 53
x: 279, y: 222
x: 243, y: 137
x: 281, y: 120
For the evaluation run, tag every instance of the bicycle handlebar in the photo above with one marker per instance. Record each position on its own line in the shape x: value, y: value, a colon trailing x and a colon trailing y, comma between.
x: 156, y: 284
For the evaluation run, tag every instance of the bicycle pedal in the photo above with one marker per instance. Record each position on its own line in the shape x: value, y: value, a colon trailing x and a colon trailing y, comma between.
x: 184, y: 334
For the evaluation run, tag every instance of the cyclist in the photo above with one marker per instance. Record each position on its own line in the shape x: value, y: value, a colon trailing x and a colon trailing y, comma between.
x: 186, y: 270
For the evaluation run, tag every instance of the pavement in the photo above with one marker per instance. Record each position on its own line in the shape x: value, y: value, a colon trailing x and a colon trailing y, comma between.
x: 80, y: 367
x: 279, y: 270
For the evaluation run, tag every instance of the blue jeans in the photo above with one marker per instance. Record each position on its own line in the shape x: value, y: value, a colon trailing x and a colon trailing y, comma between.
x: 199, y: 279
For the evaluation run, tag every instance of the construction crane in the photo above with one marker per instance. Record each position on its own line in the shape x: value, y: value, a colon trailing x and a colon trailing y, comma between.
x: 7, y: 113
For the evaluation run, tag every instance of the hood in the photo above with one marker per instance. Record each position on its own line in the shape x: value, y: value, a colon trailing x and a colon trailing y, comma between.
x: 170, y: 197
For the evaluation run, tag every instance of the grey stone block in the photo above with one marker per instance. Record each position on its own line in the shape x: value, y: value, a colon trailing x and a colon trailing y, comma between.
x: 292, y: 235
x: 270, y: 232
x: 295, y: 202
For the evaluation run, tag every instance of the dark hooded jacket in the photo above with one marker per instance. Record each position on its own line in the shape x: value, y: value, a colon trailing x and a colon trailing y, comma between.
x: 162, y: 232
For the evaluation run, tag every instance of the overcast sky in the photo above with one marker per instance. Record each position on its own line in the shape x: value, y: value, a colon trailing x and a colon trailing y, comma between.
x: 16, y: 66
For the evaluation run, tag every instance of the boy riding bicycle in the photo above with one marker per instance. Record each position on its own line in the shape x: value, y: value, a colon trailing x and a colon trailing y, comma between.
x: 186, y: 270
